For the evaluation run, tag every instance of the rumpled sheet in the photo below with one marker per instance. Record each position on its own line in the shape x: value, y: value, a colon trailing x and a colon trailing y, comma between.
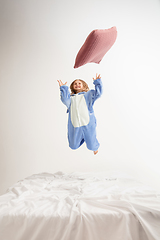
x: 79, y: 206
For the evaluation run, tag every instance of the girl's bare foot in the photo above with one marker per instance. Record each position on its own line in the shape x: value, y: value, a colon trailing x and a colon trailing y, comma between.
x: 95, y: 152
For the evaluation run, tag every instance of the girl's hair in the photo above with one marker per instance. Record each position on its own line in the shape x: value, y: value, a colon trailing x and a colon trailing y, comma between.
x: 85, y: 86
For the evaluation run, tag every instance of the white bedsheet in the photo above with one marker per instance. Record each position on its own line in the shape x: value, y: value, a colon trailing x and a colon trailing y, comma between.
x: 79, y: 206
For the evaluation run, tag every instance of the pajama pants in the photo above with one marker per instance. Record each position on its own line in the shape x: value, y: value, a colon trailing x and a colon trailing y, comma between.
x: 78, y: 135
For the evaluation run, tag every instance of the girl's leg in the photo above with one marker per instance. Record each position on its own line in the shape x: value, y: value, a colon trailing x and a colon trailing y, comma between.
x: 75, y: 136
x: 91, y: 139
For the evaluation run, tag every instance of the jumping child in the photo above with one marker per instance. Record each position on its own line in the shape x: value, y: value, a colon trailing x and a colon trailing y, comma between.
x: 81, y: 119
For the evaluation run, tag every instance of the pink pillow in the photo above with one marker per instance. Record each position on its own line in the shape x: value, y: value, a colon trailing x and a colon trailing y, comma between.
x: 97, y: 43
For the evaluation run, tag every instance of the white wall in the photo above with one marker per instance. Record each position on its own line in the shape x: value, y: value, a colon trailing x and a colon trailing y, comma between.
x: 39, y: 43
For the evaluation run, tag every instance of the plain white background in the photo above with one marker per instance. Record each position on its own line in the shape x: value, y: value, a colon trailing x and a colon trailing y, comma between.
x: 38, y: 45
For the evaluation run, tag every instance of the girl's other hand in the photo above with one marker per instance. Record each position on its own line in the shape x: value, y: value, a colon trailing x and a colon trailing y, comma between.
x: 97, y: 77
x: 61, y: 83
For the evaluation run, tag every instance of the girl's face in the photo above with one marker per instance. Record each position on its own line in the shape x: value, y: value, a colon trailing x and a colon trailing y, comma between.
x: 78, y: 86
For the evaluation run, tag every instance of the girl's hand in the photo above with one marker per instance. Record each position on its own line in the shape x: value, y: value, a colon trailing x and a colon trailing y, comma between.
x: 97, y: 77
x: 61, y: 83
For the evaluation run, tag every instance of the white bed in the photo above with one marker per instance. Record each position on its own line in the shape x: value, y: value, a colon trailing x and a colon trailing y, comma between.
x: 79, y: 206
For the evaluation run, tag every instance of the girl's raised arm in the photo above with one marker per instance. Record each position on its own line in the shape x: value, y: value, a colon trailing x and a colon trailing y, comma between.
x: 64, y: 92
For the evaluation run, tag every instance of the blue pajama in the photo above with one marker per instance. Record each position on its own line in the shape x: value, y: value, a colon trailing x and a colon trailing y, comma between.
x: 81, y: 119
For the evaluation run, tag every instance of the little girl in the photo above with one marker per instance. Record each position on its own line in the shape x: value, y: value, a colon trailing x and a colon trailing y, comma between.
x: 81, y: 119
